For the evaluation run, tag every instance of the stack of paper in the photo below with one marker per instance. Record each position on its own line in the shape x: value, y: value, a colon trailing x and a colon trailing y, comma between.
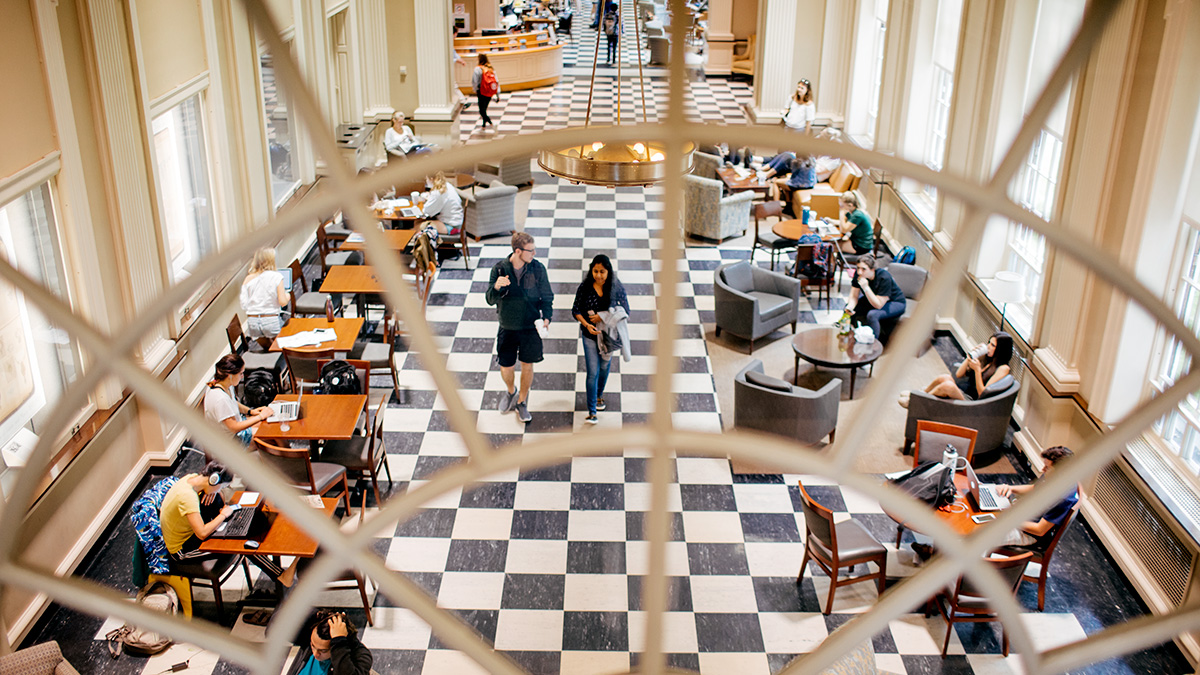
x: 308, y: 338
x: 354, y: 238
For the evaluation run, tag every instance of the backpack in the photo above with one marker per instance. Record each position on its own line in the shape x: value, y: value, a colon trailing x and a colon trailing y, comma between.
x: 907, y: 256
x: 338, y: 377
x: 158, y: 596
x: 489, y: 85
x: 610, y: 23
x: 259, y: 388
x: 931, y: 482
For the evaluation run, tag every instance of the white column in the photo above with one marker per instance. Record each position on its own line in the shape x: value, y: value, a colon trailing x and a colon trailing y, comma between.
x: 432, y: 23
x: 124, y: 153
x: 370, y: 23
x: 773, y: 81
x: 720, y: 37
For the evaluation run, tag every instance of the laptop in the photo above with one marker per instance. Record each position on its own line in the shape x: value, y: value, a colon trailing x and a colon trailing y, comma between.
x: 984, y: 494
x: 287, y: 276
x: 411, y: 212
x: 246, y: 523
x: 286, y: 411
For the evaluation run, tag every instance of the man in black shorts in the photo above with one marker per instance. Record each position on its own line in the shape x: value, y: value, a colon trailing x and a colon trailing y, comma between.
x: 520, y: 289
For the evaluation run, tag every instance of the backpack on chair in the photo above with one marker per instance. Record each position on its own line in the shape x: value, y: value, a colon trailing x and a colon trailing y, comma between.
x: 158, y: 596
x: 339, y: 377
x: 907, y: 256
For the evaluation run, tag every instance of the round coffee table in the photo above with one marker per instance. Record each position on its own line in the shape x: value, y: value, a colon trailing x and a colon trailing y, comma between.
x: 822, y: 346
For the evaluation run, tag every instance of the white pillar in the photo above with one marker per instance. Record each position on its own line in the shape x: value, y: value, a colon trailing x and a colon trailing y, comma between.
x: 370, y: 22
x: 434, y: 98
x: 773, y: 81
x: 720, y: 37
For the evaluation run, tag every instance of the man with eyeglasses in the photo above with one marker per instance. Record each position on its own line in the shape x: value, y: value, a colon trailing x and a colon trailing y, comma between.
x: 521, y: 292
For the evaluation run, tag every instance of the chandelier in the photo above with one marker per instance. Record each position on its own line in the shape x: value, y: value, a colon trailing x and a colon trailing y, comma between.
x: 619, y: 163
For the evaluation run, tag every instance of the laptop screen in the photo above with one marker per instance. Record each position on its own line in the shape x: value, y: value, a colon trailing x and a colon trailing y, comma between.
x: 287, y: 277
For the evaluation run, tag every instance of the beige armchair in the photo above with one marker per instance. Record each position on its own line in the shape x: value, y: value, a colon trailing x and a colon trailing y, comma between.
x: 43, y: 659
x: 743, y: 60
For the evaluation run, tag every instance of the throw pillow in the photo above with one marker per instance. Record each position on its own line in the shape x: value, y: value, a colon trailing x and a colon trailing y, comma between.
x: 997, y: 387
x: 768, y: 382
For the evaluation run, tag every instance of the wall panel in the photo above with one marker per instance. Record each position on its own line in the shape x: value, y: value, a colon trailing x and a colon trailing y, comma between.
x: 26, y: 125
x: 172, y: 37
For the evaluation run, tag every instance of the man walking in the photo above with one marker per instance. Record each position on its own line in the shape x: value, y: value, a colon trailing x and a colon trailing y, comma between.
x: 520, y: 289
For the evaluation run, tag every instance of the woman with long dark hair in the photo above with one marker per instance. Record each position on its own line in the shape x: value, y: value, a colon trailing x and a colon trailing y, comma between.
x: 220, y: 405
x: 801, y: 110
x: 599, y: 292
x: 985, y: 365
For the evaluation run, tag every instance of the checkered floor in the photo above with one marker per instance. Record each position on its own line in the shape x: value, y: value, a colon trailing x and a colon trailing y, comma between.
x: 548, y: 564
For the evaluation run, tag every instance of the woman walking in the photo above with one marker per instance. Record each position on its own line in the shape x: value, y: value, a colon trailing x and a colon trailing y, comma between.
x: 599, y: 293
x: 486, y: 87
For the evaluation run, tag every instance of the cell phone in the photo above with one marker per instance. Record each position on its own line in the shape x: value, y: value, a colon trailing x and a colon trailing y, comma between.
x: 983, y: 517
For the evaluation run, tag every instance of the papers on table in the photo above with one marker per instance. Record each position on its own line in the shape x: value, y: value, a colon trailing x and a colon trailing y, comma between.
x: 824, y: 229
x: 741, y: 171
x: 314, y: 501
x: 308, y: 338
x: 248, y: 499
x: 354, y: 238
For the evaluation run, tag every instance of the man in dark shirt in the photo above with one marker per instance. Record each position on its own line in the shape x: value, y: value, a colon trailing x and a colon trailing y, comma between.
x: 875, y: 295
x: 1034, y: 534
x: 521, y: 292
x: 329, y: 644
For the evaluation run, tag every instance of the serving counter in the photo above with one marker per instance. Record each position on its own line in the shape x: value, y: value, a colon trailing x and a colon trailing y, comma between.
x: 521, y: 60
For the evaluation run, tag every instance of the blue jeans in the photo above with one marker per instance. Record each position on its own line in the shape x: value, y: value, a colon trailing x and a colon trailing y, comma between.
x: 597, y: 372
x: 892, y: 310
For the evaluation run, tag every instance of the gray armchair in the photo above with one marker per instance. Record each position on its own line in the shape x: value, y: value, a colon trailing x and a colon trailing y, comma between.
x: 490, y: 210
x: 768, y: 404
x: 988, y: 416
x: 510, y: 171
x: 707, y: 214
x: 705, y: 165
x: 911, y: 279
x: 752, y: 302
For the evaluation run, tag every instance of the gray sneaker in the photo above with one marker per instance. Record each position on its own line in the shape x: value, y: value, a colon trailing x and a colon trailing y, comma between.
x: 507, y: 401
x: 523, y: 412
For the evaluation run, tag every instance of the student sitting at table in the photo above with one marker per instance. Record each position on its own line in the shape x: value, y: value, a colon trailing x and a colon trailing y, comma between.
x: 329, y: 645
x: 443, y: 203
x: 875, y: 295
x: 263, y: 296
x: 1033, y: 534
x: 858, y: 233
x: 220, y: 405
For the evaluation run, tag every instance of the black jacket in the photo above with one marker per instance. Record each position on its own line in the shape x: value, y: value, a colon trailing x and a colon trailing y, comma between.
x: 520, y: 305
x: 349, y: 656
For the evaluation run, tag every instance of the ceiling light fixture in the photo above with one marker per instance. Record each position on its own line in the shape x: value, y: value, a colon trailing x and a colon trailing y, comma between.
x: 615, y: 164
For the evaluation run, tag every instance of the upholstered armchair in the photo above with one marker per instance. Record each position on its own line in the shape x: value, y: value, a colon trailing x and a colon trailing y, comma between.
x: 988, y: 416
x: 42, y: 659
x: 911, y: 279
x: 490, y: 210
x: 707, y: 214
x: 765, y: 403
x: 743, y: 59
x: 705, y: 165
x: 752, y: 302
x: 510, y: 171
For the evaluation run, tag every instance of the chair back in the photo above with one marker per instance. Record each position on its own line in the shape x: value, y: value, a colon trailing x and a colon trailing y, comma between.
x: 1011, y: 568
x: 1043, y: 554
x: 293, y: 464
x: 764, y: 210
x: 910, y: 278
x: 361, y: 368
x: 738, y: 276
x: 237, y: 340
x: 933, y: 437
x: 303, y: 365
x: 818, y: 520
x: 297, y: 275
x: 375, y: 442
x: 323, y: 246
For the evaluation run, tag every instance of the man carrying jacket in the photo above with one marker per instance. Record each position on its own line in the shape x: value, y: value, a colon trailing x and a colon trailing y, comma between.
x: 521, y: 292
x: 333, y: 648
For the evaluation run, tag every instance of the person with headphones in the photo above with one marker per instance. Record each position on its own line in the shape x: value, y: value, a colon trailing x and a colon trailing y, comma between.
x: 329, y: 644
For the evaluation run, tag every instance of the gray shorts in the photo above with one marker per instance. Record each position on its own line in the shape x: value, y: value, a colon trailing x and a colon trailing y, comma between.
x: 262, y: 326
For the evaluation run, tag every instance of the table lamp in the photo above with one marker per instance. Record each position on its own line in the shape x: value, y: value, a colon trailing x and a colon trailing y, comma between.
x: 1006, y: 287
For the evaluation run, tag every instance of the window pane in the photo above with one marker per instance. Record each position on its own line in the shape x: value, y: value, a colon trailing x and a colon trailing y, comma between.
x: 279, y: 132
x: 181, y: 169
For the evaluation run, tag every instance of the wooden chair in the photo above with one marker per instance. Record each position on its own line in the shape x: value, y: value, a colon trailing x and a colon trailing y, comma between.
x: 297, y: 468
x: 768, y: 240
x: 238, y: 344
x: 382, y: 355
x: 805, y: 253
x: 350, y: 574
x: 303, y: 368
x: 331, y: 257
x: 362, y: 455
x: 1041, y: 556
x: 309, y: 303
x: 458, y: 243
x: 967, y: 604
x: 362, y: 368
x: 836, y: 545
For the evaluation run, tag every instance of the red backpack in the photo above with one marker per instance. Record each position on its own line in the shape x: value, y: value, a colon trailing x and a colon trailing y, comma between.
x: 489, y: 85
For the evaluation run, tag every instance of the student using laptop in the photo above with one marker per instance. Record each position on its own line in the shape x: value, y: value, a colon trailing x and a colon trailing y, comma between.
x: 1033, y: 533
x: 220, y: 405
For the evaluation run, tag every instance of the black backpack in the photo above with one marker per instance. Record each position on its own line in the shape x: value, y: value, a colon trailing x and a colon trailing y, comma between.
x: 259, y: 388
x: 610, y: 22
x: 931, y: 482
x: 339, y: 377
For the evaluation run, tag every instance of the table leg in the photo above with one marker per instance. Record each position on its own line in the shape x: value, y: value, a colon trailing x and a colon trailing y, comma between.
x: 853, y: 373
x: 796, y: 372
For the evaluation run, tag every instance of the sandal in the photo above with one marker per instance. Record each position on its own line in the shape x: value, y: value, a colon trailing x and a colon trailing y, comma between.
x: 259, y: 617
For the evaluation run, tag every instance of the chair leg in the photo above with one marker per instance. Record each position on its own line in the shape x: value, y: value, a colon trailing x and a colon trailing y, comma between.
x: 752, y: 346
x: 718, y: 331
x: 832, y: 588
x: 246, y: 571
x: 949, y: 627
x: 803, y: 566
x: 899, y: 534
x: 216, y: 589
x: 1003, y: 640
x: 346, y: 494
x: 831, y: 435
x: 362, y: 591
x: 375, y: 485
x: 882, y: 581
x: 1042, y: 586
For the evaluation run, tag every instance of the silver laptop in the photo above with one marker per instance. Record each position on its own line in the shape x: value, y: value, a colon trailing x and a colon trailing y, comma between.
x: 286, y: 411
x: 410, y: 212
x: 287, y: 277
x: 984, y: 494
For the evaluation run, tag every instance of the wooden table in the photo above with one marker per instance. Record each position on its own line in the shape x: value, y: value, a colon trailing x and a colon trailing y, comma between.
x: 397, y: 240
x: 736, y: 184
x: 822, y: 346
x: 351, y: 279
x: 284, y: 537
x: 347, y: 331
x: 322, y: 417
x: 957, y: 515
x: 794, y: 229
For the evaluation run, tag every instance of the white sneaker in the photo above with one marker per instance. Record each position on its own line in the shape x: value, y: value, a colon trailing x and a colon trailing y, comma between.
x: 903, y: 400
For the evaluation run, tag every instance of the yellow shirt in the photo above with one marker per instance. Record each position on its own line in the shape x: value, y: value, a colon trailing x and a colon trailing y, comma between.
x: 179, y: 501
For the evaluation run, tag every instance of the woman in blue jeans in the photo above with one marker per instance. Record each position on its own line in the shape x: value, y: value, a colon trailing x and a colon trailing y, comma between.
x: 598, y: 292
x: 875, y: 295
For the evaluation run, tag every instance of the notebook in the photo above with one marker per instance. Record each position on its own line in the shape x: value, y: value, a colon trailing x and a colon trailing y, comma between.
x: 984, y: 494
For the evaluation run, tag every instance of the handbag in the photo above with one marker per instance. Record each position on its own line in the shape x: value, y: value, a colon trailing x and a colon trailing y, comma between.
x: 931, y: 482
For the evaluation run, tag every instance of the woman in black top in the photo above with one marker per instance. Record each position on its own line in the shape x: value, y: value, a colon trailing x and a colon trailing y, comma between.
x: 598, y: 292
x: 875, y: 295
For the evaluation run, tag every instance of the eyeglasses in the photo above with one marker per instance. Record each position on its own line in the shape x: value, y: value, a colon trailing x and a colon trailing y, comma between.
x: 529, y: 250
x: 804, y: 82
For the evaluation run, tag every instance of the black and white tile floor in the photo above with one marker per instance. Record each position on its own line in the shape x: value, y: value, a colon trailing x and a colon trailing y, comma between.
x: 548, y: 564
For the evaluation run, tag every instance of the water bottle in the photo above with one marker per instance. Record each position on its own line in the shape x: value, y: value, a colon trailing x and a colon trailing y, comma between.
x: 949, y: 457
x: 806, y: 215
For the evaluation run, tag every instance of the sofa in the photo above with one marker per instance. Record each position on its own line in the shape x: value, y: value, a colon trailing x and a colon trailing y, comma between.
x: 988, y: 416
x: 823, y: 198
x: 751, y: 302
x: 490, y: 210
x: 707, y: 214
x: 768, y: 404
x: 41, y: 659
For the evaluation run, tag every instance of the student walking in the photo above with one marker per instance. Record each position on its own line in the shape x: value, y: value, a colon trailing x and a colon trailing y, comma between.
x: 486, y: 87
x: 597, y: 301
x: 520, y: 289
x: 612, y: 32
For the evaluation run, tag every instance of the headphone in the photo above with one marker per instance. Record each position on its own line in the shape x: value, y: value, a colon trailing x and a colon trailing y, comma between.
x: 214, y: 478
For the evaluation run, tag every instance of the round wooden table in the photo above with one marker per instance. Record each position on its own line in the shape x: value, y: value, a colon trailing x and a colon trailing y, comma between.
x: 796, y: 228
x: 822, y: 346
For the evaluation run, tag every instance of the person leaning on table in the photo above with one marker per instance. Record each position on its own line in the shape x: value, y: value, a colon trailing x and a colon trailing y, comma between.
x: 1036, y: 533
x: 858, y: 232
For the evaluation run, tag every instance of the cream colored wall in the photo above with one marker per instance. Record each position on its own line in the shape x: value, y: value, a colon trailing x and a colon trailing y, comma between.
x: 284, y: 13
x: 402, y: 54
x: 26, y: 127
x: 172, y: 41
x: 744, y: 18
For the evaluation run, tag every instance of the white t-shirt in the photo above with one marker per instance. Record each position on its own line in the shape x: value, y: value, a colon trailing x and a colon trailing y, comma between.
x: 399, y: 143
x: 219, y: 405
x: 260, y: 294
x: 799, y: 115
x: 446, y: 205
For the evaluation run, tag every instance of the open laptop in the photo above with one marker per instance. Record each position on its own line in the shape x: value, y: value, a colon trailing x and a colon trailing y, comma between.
x: 984, y: 494
x: 246, y: 523
x: 286, y: 411
x: 287, y: 277
x: 410, y: 212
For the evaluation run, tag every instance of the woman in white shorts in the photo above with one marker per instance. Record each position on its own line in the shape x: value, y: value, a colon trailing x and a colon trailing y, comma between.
x: 263, y: 295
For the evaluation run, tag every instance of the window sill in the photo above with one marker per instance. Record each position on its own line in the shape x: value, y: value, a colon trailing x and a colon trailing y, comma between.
x: 921, y: 210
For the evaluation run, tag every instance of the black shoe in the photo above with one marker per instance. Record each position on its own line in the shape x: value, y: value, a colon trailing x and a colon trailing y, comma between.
x: 923, y: 551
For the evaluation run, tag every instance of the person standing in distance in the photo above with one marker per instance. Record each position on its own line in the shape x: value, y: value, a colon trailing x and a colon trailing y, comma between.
x: 487, y: 87
x: 521, y: 292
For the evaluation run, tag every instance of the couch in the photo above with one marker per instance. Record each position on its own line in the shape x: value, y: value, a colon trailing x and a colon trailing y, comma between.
x: 823, y: 198
x: 777, y: 407
x: 751, y: 302
x: 988, y: 416
x: 707, y: 214
x: 490, y: 210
